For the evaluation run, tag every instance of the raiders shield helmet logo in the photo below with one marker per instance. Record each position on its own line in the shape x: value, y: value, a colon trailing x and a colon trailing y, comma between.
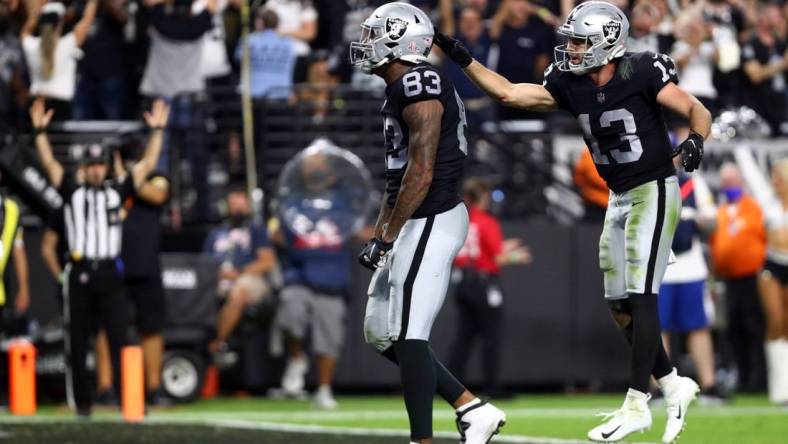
x: 612, y: 31
x: 396, y: 27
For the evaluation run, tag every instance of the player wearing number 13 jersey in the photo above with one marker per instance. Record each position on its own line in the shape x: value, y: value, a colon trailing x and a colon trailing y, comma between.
x: 422, y: 222
x: 622, y: 120
x: 617, y: 98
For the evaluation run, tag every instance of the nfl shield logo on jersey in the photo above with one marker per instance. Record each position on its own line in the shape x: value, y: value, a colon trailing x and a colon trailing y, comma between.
x: 396, y: 27
x: 600, y: 97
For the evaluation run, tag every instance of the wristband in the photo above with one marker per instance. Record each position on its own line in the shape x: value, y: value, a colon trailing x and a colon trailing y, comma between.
x: 157, y: 128
x: 39, y: 130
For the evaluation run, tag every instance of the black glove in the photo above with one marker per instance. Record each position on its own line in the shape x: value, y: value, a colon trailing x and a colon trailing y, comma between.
x: 454, y: 49
x: 691, y: 152
x: 375, y: 253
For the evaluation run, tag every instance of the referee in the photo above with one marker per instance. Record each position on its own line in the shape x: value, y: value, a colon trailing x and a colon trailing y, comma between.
x: 93, y: 281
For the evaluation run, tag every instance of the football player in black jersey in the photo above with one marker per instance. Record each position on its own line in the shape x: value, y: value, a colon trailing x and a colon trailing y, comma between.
x: 422, y: 222
x: 617, y: 97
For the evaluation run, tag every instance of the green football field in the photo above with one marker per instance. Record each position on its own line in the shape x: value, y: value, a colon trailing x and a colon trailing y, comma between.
x: 531, y: 419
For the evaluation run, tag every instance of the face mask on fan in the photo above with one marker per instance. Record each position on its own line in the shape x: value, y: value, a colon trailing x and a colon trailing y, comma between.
x: 237, y: 220
x: 733, y: 194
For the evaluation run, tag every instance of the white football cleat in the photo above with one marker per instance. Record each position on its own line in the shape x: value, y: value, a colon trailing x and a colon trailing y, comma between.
x: 324, y: 399
x: 633, y: 416
x: 479, y: 423
x: 678, y: 397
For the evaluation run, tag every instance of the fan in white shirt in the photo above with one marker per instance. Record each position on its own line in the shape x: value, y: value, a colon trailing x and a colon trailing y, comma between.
x: 51, y: 56
x: 297, y: 19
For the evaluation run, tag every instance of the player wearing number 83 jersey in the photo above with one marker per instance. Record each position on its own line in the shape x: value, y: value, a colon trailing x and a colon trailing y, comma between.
x: 422, y: 222
x: 426, y: 82
x: 617, y: 98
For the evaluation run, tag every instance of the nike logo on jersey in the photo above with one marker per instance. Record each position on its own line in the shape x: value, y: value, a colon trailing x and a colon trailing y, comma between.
x: 608, y: 435
x: 637, y: 203
x: 679, y: 415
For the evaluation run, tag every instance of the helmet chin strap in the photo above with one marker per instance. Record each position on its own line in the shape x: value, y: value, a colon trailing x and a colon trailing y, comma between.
x: 369, y: 68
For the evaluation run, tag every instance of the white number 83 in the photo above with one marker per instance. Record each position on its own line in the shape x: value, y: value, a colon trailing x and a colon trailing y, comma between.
x: 414, y: 84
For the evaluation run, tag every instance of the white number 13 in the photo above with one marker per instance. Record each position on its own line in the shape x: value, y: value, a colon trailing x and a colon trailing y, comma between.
x: 629, y: 135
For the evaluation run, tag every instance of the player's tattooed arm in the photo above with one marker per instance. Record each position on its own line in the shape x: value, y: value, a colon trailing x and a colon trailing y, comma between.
x: 424, y: 121
x: 383, y: 216
x: 519, y: 95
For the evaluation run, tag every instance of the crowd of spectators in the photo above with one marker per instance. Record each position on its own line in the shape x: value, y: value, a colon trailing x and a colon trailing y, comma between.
x: 103, y: 59
x: 108, y: 59
x: 728, y: 52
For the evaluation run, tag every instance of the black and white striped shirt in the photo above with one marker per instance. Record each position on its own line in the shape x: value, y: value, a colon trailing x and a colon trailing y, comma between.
x: 92, y: 219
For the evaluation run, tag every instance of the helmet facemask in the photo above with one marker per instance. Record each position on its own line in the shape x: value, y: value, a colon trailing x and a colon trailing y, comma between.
x: 598, y: 52
x: 599, y: 27
x: 563, y: 55
x: 362, y: 52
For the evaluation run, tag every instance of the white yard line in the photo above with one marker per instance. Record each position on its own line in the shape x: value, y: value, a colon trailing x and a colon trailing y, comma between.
x: 354, y: 431
x: 276, y: 427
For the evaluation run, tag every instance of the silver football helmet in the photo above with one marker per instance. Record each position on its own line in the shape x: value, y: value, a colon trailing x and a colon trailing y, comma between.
x: 393, y: 31
x: 604, y: 28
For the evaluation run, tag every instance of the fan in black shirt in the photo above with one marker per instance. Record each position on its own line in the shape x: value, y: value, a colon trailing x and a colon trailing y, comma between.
x: 765, y: 63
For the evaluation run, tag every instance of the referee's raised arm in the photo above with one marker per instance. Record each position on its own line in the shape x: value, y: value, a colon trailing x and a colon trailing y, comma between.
x: 40, y: 117
x: 156, y: 119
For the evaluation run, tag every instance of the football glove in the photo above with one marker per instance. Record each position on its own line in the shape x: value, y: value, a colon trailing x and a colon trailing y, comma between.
x: 691, y: 152
x: 454, y: 49
x: 375, y: 253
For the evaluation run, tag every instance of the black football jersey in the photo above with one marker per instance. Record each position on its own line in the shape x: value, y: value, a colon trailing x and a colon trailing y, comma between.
x: 426, y: 82
x: 622, y: 121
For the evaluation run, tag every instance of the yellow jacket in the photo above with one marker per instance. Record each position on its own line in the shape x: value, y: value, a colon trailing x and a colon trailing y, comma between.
x: 8, y: 235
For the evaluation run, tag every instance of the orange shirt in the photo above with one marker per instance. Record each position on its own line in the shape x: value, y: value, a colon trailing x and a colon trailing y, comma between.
x: 592, y: 187
x: 738, y: 244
